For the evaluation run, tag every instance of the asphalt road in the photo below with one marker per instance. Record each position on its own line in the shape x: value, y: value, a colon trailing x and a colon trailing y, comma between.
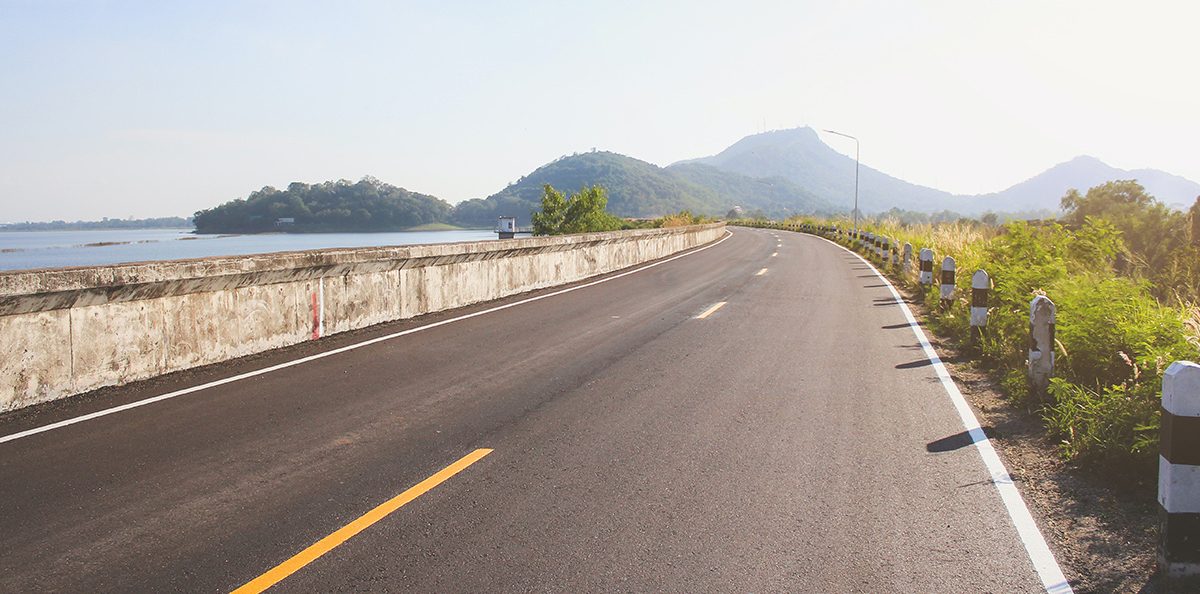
x: 794, y: 440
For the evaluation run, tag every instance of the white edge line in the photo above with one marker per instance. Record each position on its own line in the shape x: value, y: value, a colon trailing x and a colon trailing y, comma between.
x: 1039, y: 552
x: 265, y: 370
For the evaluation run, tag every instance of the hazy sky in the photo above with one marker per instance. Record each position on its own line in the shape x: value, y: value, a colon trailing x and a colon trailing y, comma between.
x: 163, y: 108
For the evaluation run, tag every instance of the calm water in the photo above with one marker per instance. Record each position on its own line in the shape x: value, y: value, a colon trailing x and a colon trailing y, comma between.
x: 20, y: 250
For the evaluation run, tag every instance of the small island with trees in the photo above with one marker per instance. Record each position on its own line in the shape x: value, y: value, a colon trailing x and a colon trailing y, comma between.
x: 367, y: 205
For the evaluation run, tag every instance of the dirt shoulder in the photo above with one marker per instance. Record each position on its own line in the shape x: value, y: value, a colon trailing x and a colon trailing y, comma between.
x: 1103, y: 536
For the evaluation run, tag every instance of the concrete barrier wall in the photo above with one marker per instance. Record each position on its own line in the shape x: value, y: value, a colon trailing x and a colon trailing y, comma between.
x: 70, y: 330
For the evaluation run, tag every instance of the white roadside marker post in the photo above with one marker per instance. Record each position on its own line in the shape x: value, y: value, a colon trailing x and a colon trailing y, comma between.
x: 947, y: 283
x: 925, y: 277
x: 979, y: 305
x: 1179, y: 472
x: 1041, y: 343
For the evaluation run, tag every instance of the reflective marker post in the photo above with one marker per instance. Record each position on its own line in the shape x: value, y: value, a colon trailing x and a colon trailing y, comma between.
x: 925, y: 277
x: 1179, y: 472
x: 979, y: 305
x: 1042, y: 314
x: 947, y: 283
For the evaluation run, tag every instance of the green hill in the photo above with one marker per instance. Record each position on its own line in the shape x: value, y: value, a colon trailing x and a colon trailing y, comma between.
x: 637, y: 189
x: 368, y: 205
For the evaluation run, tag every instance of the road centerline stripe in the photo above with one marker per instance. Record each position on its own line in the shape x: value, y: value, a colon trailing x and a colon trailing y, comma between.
x: 351, y: 347
x: 761, y: 272
x: 709, y: 311
x: 312, y: 553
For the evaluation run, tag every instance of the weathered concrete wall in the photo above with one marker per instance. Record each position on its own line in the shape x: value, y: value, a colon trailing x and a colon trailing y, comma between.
x: 70, y: 330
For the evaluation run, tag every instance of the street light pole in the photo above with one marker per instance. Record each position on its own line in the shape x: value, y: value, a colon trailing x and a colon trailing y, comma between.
x: 855, y: 177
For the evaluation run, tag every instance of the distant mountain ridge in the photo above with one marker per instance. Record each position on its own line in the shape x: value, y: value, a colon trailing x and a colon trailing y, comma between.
x: 1085, y: 172
x: 637, y: 189
x: 774, y: 174
x: 799, y: 155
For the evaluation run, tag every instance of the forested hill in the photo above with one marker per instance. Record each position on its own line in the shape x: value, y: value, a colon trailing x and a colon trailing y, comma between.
x: 637, y: 189
x: 366, y: 205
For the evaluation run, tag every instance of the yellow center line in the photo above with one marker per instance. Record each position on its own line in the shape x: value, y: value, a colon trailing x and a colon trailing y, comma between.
x: 709, y: 311
x: 761, y: 272
x: 775, y: 254
x: 327, y: 544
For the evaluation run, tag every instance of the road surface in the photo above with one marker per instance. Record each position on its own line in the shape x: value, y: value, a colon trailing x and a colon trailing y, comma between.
x: 794, y: 439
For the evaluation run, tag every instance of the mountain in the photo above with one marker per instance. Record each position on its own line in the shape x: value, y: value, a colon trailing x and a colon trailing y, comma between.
x: 637, y: 189
x: 800, y: 156
x: 1047, y: 188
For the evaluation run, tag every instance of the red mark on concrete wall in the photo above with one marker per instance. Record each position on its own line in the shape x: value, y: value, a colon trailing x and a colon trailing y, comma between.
x: 316, y: 327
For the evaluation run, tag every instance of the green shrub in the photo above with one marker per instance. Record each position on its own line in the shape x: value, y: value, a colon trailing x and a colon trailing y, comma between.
x: 1115, y: 429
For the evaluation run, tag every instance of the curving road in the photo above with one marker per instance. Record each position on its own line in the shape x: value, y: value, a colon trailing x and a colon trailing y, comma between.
x: 794, y: 439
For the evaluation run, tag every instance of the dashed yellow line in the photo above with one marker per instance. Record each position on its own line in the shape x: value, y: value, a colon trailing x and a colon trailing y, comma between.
x: 709, y: 311
x: 776, y: 254
x: 761, y: 272
x: 327, y: 544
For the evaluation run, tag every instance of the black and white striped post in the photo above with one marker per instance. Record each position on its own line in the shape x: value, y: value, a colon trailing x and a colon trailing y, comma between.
x: 1041, y: 343
x: 947, y: 283
x: 980, y: 284
x: 1179, y: 472
x: 896, y: 255
x: 887, y: 250
x: 925, y: 276
x: 907, y: 258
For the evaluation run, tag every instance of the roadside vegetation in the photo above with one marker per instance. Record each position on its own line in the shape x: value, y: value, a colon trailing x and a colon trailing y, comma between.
x: 587, y: 212
x: 1124, y: 273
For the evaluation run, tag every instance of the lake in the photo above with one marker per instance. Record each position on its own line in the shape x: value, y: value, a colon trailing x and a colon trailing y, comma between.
x: 21, y: 250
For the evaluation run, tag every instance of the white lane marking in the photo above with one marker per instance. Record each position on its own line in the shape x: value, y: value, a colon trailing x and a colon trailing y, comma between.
x: 265, y: 370
x: 1035, y: 544
x: 776, y: 254
x: 709, y: 311
x: 761, y: 272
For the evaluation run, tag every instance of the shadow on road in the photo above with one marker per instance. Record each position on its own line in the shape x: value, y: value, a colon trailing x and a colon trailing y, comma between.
x: 914, y: 364
x: 956, y: 441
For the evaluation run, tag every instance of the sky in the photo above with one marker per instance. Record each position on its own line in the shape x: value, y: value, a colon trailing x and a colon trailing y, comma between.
x: 152, y: 109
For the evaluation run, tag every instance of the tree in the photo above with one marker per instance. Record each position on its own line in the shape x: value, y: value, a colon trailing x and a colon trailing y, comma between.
x: 585, y: 212
x: 554, y: 209
x: 1112, y: 200
x: 1150, y: 230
